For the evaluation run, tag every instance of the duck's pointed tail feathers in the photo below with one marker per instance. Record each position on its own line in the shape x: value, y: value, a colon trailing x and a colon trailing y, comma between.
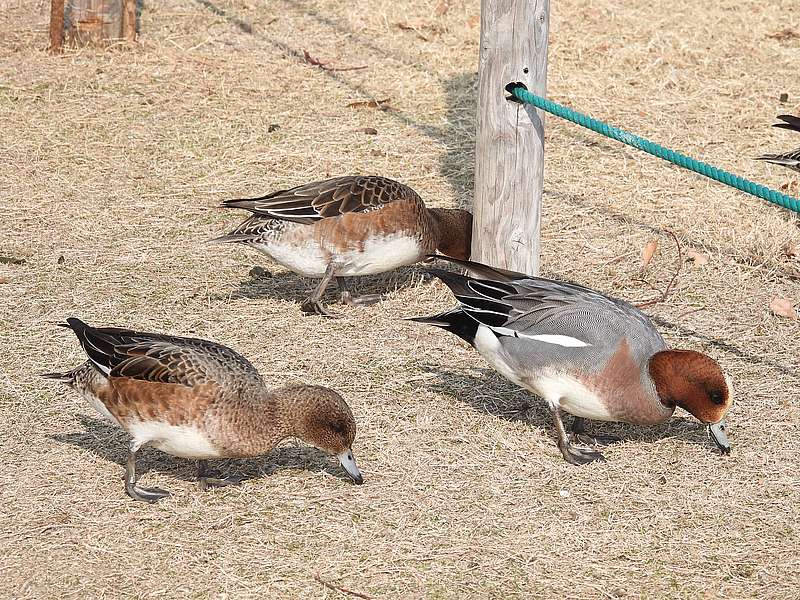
x: 457, y: 282
x: 67, y: 377
x: 481, y: 271
x: 790, y: 122
x: 243, y: 203
x: 790, y: 159
x: 231, y: 238
x: 456, y: 321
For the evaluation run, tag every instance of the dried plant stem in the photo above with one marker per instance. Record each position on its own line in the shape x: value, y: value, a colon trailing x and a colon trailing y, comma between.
x: 343, y: 590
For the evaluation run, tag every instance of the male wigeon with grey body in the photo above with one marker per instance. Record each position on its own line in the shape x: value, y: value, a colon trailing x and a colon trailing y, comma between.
x: 584, y: 353
x: 347, y: 227
x: 196, y: 399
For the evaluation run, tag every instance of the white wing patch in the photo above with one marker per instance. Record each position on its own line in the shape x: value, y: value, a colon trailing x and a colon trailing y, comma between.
x: 559, y: 340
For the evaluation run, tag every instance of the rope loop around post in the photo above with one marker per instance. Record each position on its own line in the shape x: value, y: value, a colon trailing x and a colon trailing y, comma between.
x: 521, y: 94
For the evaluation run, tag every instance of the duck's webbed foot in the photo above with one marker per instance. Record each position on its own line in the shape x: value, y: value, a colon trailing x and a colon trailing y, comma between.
x: 575, y: 455
x: 137, y: 492
x: 580, y: 436
x: 313, y: 304
x: 349, y: 299
x: 205, y: 482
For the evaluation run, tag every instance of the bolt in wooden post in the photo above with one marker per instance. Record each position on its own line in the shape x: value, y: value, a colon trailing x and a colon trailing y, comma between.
x: 509, y: 157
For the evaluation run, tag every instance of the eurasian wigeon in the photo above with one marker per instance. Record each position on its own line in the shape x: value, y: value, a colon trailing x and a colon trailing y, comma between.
x: 584, y: 353
x: 790, y: 160
x: 193, y: 398
x: 346, y: 227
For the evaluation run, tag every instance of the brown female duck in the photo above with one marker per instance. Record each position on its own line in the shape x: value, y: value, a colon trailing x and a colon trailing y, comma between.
x: 346, y: 227
x: 197, y: 399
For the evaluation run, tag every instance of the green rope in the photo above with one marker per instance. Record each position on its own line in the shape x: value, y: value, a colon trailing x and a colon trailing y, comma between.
x: 526, y: 97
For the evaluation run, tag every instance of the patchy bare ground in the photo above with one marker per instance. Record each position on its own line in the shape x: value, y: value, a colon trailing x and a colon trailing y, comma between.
x: 111, y: 164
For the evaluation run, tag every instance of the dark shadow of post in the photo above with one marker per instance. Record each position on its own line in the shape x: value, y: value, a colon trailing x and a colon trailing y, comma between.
x: 242, y: 25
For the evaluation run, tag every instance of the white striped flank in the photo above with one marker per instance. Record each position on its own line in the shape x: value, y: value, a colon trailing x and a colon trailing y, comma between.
x: 558, y: 340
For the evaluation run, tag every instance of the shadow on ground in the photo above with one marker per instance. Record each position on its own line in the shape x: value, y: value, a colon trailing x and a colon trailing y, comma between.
x: 110, y: 443
x: 490, y: 393
x: 290, y: 287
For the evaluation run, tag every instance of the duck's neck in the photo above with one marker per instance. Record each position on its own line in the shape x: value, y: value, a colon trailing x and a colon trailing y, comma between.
x: 253, y: 423
x: 454, y: 229
x: 663, y: 367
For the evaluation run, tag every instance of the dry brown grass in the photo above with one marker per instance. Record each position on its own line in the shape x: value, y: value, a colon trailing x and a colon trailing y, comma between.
x: 114, y: 160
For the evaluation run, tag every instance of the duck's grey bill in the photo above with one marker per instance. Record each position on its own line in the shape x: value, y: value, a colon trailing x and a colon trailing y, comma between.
x: 716, y: 432
x: 349, y: 464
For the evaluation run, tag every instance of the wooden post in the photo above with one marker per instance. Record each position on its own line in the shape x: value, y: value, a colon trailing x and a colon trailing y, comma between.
x: 99, y: 21
x: 129, y: 20
x: 509, y: 157
x: 56, y: 25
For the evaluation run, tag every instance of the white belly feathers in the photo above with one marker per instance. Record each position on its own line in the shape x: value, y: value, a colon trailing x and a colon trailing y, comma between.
x: 305, y: 259
x: 178, y: 440
x: 379, y: 255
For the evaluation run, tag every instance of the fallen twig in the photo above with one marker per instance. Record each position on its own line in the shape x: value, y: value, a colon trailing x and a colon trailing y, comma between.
x: 324, y: 65
x: 689, y: 312
x: 370, y: 104
x: 668, y: 289
x: 343, y: 590
x: 408, y: 27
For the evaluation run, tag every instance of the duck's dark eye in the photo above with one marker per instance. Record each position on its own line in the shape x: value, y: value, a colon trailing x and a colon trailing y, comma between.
x: 716, y: 397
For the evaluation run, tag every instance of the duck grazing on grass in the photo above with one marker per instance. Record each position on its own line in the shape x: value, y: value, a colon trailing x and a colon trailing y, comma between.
x: 584, y: 353
x: 346, y: 227
x: 790, y: 160
x: 196, y: 399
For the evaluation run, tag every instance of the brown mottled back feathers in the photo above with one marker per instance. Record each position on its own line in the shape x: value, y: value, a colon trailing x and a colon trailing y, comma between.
x: 161, y: 358
x: 317, y: 200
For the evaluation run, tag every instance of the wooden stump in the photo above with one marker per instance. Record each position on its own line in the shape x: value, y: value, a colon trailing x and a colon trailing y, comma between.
x: 509, y: 156
x: 56, y: 25
x: 92, y: 21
